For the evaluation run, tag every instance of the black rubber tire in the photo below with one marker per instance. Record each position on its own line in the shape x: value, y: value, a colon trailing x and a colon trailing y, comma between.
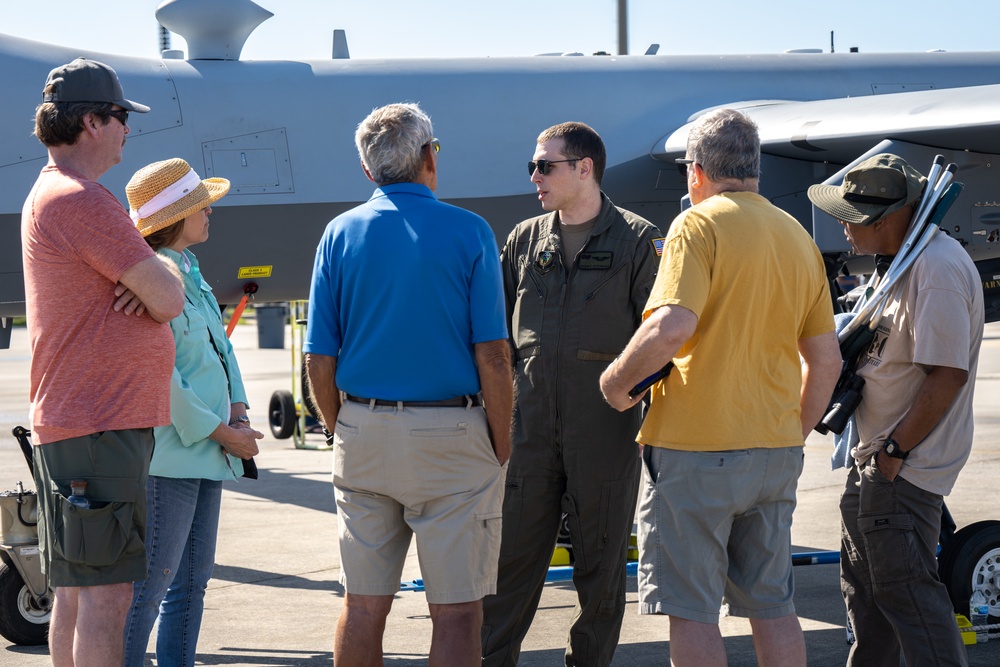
x: 281, y: 414
x: 962, y: 558
x: 21, y: 620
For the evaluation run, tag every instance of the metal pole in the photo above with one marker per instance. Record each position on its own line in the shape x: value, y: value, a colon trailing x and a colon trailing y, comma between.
x: 623, y: 27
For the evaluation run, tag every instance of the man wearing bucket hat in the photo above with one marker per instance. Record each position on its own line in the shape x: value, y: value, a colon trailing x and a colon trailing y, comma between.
x: 406, y: 318
x: 209, y: 432
x: 915, y: 423
x: 97, y: 300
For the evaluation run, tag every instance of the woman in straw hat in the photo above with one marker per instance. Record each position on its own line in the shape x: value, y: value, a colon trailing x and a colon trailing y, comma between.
x: 209, y: 434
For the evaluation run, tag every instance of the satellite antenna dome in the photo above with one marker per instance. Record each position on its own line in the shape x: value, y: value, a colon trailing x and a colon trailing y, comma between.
x: 213, y: 29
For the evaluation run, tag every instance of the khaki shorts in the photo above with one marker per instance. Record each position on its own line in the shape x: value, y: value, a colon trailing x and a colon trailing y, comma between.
x: 426, y: 472
x: 716, y: 526
x: 104, y: 544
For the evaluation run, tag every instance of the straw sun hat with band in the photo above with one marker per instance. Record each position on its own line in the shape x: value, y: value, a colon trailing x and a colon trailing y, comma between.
x: 166, y: 192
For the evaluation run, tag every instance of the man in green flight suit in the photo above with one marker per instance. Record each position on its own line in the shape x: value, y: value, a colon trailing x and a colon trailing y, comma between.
x: 576, y: 281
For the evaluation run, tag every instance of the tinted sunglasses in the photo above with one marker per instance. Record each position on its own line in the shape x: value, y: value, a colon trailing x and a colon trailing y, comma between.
x: 545, y: 166
x: 433, y: 143
x: 682, y: 165
x: 120, y: 114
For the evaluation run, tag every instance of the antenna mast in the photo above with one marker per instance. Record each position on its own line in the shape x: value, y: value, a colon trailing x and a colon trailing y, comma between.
x: 623, y: 27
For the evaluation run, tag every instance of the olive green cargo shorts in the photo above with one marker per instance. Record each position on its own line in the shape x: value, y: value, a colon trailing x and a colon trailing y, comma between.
x: 103, y: 544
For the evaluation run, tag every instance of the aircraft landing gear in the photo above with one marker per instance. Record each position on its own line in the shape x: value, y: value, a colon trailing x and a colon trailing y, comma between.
x: 23, y: 619
x: 25, y: 598
x: 971, y: 559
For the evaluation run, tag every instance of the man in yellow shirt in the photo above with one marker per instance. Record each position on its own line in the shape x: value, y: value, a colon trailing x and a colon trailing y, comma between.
x: 740, y: 294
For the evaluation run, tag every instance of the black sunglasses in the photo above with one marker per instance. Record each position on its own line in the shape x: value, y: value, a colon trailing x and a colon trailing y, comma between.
x: 433, y: 143
x: 544, y: 166
x: 682, y: 165
x: 120, y: 114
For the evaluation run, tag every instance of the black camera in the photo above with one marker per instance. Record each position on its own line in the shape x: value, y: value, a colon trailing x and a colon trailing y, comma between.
x: 845, y: 401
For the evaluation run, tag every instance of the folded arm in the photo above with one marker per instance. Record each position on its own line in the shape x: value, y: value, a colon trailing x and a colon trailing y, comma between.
x: 153, y: 286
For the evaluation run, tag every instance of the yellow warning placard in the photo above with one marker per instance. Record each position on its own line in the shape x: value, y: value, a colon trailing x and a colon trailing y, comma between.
x: 255, y: 272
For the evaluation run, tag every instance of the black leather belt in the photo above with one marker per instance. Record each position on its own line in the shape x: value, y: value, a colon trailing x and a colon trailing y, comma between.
x: 460, y: 402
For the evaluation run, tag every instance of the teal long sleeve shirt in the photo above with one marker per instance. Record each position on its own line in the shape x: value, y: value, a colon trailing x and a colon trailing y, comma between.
x: 200, y: 395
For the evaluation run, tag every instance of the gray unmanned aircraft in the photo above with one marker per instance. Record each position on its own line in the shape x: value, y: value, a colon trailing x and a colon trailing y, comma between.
x: 282, y: 133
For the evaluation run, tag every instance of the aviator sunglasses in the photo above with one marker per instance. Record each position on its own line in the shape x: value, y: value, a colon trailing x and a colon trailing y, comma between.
x: 545, y: 166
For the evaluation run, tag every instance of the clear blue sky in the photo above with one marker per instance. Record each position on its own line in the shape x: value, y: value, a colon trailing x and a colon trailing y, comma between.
x: 302, y: 29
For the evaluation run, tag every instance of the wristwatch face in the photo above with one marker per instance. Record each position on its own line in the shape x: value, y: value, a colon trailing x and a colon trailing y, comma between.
x: 893, y: 450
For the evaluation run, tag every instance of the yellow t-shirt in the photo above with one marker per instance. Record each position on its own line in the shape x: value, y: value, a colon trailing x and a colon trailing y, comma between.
x: 756, y: 281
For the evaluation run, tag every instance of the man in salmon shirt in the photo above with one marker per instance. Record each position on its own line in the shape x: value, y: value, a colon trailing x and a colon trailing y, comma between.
x: 98, y: 300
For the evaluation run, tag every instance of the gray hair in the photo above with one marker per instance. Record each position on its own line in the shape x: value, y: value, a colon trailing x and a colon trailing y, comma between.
x: 726, y: 144
x: 390, y: 140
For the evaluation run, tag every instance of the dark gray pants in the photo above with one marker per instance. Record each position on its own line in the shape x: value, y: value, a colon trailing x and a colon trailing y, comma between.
x: 888, y: 567
x: 596, y: 484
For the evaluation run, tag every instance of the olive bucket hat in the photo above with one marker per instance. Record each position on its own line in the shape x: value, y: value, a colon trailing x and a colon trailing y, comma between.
x: 872, y: 190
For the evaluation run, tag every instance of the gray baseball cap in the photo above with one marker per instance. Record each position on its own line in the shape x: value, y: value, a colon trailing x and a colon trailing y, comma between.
x: 87, y: 81
x: 873, y: 189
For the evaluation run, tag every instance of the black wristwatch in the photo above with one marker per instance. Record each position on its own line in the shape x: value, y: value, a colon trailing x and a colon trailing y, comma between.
x: 892, y: 448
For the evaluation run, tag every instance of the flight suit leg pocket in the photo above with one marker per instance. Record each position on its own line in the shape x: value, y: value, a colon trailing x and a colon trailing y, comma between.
x: 513, y: 500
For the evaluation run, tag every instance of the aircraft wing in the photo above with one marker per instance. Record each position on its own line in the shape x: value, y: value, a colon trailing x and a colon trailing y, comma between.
x: 819, y: 141
x: 838, y: 130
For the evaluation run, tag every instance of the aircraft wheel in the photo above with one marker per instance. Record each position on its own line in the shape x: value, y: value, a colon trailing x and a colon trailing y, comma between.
x: 972, y: 559
x: 22, y: 620
x: 281, y: 414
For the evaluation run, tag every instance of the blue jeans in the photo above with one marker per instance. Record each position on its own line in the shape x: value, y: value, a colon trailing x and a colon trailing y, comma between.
x: 182, y: 527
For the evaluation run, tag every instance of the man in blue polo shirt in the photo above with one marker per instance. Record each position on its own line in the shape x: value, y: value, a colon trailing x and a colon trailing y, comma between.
x: 409, y: 366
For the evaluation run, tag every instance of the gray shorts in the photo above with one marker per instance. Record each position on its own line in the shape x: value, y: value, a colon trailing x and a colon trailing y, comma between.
x: 714, y: 527
x: 426, y: 472
x: 104, y: 544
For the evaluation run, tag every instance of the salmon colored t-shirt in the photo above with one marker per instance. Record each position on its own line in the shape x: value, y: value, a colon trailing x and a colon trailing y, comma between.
x: 92, y: 369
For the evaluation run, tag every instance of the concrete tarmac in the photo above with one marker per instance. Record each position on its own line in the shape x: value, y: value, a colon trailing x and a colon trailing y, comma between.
x: 275, y: 595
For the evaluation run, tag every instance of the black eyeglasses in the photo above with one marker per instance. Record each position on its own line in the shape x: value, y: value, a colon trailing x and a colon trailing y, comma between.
x: 120, y: 114
x: 433, y: 143
x: 683, y: 164
x: 545, y: 166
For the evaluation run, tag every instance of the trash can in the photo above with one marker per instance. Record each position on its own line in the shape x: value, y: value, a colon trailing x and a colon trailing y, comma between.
x: 271, y: 325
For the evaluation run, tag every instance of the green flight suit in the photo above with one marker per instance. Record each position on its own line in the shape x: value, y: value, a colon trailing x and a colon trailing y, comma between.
x: 569, y: 318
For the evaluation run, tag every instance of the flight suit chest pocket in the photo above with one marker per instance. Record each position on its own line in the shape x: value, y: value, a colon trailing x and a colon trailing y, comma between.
x: 607, y: 317
x: 533, y: 289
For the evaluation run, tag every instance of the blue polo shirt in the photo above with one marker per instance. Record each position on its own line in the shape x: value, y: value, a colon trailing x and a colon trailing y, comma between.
x: 403, y: 287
